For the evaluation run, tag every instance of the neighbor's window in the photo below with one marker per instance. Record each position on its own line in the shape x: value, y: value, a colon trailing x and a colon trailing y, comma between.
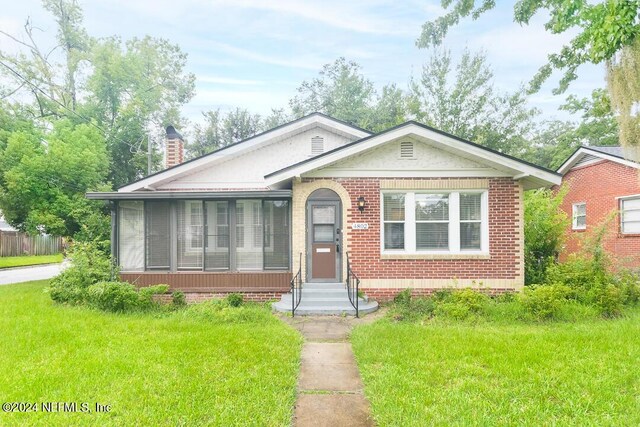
x: 579, y: 216
x: 394, y: 216
x: 448, y: 221
x: 630, y: 216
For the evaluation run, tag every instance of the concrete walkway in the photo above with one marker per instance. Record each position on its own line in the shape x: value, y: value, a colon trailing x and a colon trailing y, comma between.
x: 330, y: 391
x: 26, y: 274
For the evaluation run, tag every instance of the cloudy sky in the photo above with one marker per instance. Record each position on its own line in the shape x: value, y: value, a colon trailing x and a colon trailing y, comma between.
x: 254, y: 53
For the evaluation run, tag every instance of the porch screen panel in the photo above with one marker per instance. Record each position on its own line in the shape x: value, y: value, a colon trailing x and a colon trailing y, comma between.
x: 131, y: 236
x: 276, y: 234
x: 157, y: 235
x: 217, y: 236
x: 190, y: 234
x: 249, y: 235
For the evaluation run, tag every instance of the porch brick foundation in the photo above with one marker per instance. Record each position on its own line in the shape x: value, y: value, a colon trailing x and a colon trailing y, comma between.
x: 196, y: 297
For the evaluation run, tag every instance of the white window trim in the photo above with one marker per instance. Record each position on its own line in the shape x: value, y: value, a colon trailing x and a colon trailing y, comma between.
x: 454, y: 223
x: 574, y: 217
x: 621, y: 201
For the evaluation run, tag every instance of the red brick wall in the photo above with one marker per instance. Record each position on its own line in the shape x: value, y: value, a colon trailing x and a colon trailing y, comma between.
x: 598, y: 185
x: 195, y: 297
x: 385, y: 294
x: 504, y: 198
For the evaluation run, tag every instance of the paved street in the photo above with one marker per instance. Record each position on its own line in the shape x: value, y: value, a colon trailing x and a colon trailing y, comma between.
x: 25, y: 274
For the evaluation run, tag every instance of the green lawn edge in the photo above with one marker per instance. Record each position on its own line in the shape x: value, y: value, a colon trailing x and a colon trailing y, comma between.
x: 25, y: 261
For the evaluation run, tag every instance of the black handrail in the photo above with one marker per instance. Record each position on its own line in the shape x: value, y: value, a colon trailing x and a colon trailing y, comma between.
x: 296, y: 288
x: 353, y: 283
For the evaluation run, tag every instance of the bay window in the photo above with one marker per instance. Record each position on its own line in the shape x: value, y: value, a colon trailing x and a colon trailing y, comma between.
x: 435, y: 222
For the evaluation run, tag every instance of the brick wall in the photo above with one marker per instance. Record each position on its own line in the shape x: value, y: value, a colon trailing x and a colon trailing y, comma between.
x: 598, y: 185
x: 195, y: 297
x: 503, y: 269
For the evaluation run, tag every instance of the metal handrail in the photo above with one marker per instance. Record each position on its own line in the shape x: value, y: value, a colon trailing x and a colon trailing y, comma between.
x: 296, y: 288
x: 353, y: 283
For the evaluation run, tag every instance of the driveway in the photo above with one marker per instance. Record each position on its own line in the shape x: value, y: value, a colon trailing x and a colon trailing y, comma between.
x: 26, y: 274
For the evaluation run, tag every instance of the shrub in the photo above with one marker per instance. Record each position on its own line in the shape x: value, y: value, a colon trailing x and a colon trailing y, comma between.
x: 123, y: 297
x: 403, y: 297
x: 178, y: 299
x: 461, y: 304
x: 235, y: 299
x: 88, y: 266
x: 609, y: 299
x: 544, y: 302
x: 220, y: 311
x: 113, y: 296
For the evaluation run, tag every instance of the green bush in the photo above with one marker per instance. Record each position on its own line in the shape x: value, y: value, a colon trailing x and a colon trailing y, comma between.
x: 121, y: 297
x: 113, y: 296
x: 403, y: 297
x: 178, y: 299
x: 461, y: 304
x: 88, y: 266
x: 544, y: 302
x: 235, y: 299
x: 609, y: 299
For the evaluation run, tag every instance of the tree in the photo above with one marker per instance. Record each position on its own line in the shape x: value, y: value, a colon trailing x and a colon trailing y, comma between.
x: 45, y: 175
x: 552, y: 142
x: 391, y: 108
x: 240, y: 124
x: 544, y: 227
x: 605, y: 32
x: 466, y: 104
x: 129, y: 91
x: 340, y: 91
x: 206, y: 138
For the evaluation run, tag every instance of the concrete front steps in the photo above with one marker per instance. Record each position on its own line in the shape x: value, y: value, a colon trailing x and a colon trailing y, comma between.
x: 325, y: 299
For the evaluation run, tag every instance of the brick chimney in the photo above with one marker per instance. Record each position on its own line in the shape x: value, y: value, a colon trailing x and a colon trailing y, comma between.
x: 175, y: 147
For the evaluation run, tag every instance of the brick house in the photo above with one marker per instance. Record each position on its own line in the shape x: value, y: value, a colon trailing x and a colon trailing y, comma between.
x: 603, y: 185
x: 410, y: 207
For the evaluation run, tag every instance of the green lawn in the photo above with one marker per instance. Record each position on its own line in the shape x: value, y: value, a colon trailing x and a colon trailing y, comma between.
x: 152, y: 370
x: 20, y: 261
x: 585, y: 373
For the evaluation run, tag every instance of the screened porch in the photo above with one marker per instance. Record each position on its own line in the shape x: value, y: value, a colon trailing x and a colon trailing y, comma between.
x: 206, y: 235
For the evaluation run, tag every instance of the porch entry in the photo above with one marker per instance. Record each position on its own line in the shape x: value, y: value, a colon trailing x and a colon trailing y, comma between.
x: 324, y: 237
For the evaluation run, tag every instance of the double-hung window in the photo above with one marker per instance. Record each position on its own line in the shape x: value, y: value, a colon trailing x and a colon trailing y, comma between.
x: 579, y: 216
x: 630, y: 215
x: 435, y: 222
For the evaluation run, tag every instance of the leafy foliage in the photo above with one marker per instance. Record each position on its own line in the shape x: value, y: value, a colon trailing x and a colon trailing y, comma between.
x: 601, y: 30
x: 544, y: 227
x: 120, y: 297
x: 463, y: 101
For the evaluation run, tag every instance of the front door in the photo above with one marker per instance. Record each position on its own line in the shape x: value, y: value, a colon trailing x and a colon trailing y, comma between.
x: 323, y: 241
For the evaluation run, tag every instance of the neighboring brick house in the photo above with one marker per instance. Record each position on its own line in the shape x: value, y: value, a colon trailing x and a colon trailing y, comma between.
x: 413, y: 207
x: 604, y: 185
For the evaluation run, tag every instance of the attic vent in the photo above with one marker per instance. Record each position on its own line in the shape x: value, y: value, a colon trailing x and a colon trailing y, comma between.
x: 587, y: 158
x: 406, y: 150
x: 317, y: 145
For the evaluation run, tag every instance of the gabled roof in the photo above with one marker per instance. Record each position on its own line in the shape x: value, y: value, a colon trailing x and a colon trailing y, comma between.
x: 278, y: 132
x: 537, y: 175
x: 588, y: 155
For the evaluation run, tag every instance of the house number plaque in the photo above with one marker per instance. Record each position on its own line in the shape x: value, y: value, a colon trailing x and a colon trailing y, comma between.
x: 360, y: 226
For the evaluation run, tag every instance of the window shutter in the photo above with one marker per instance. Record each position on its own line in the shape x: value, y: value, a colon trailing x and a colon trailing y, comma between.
x: 317, y: 145
x: 406, y: 150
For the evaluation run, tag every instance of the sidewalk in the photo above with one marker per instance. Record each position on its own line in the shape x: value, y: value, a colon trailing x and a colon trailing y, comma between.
x: 26, y: 274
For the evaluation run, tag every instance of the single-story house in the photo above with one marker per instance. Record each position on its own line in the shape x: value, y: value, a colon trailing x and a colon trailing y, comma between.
x: 603, y: 185
x: 412, y: 206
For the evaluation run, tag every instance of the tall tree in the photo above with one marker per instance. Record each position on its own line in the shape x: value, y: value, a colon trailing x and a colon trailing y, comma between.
x: 463, y: 101
x: 240, y: 124
x: 340, y: 91
x: 603, y: 32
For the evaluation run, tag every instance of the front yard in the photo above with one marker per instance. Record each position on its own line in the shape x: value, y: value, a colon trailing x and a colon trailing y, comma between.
x: 162, y: 369
x: 583, y: 373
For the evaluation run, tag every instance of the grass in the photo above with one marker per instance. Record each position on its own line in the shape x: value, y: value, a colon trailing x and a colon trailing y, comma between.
x: 583, y: 373
x: 167, y: 369
x: 21, y: 261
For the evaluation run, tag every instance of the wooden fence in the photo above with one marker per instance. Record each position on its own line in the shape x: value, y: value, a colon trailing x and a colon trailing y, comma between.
x: 13, y: 243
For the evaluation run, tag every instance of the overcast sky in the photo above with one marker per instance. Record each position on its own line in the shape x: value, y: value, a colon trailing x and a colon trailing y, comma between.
x: 254, y: 53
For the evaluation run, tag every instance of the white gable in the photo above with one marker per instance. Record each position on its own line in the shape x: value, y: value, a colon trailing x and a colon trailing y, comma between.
x: 247, y: 169
x: 441, y: 155
x: 405, y: 157
x: 585, y: 156
x: 290, y: 143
